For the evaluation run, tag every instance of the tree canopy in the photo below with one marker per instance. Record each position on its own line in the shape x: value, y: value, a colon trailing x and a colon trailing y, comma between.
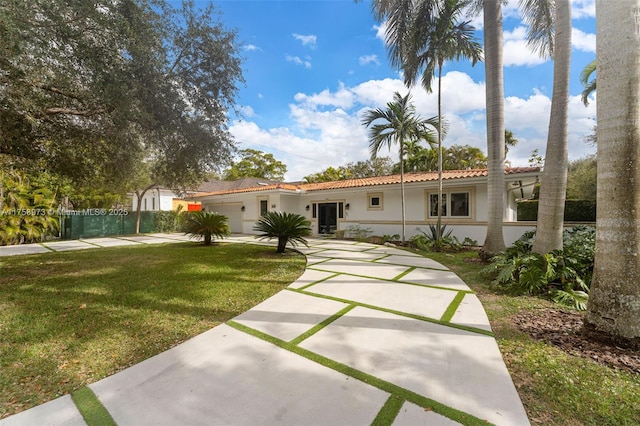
x: 98, y: 88
x: 379, y: 166
x: 455, y: 157
x: 254, y: 163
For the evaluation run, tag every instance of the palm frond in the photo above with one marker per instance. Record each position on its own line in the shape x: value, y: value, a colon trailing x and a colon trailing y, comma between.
x: 540, y: 18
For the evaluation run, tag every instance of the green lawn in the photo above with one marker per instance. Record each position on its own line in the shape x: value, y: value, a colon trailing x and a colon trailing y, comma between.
x: 71, y: 318
x: 555, y: 387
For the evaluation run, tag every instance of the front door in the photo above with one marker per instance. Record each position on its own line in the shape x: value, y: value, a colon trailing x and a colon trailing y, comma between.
x: 327, y: 218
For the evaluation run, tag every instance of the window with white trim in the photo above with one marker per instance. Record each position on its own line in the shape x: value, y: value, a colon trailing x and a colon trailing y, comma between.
x: 454, y: 204
x: 374, y: 201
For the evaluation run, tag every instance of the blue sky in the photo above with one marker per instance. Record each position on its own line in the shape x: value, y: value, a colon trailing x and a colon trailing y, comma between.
x: 313, y: 67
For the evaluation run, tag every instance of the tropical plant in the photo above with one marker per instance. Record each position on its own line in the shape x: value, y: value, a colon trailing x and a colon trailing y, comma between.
x: 286, y: 227
x: 589, y: 85
x: 432, y: 41
x: 563, y: 275
x: 421, y: 36
x: 386, y: 238
x: 27, y: 208
x: 614, y: 303
x: 549, y: 34
x: 494, y: 93
x: 436, y: 240
x: 207, y: 225
x: 396, y: 124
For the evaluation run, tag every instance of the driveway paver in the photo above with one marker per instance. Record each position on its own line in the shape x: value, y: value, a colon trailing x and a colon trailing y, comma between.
x: 364, y: 329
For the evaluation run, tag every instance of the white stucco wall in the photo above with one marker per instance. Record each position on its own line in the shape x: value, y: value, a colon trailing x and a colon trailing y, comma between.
x: 387, y: 220
x: 156, y: 200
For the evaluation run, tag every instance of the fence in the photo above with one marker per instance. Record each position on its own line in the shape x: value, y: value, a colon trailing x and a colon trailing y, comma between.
x: 103, y: 222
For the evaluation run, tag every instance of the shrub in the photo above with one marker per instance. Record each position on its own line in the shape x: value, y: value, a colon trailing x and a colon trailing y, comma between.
x: 286, y: 227
x: 388, y: 238
x: 427, y: 241
x: 574, y: 210
x: 169, y: 221
x: 563, y: 275
x: 358, y: 233
x: 207, y: 225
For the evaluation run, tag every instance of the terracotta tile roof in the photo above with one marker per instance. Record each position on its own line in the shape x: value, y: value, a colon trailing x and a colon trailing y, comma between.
x: 373, y: 181
x: 408, y: 178
x: 269, y: 187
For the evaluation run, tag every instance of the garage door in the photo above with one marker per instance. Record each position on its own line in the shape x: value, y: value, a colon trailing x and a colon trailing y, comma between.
x: 232, y: 211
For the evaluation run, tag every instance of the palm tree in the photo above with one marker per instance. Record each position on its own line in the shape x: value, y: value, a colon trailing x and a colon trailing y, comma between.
x: 395, y: 125
x: 614, y: 301
x: 286, y: 227
x: 433, y: 37
x: 550, y: 34
x: 399, y: 15
x: 589, y: 85
x: 207, y: 225
x: 494, y: 93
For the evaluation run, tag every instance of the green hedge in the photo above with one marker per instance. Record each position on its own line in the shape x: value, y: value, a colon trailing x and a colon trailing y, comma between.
x: 574, y: 210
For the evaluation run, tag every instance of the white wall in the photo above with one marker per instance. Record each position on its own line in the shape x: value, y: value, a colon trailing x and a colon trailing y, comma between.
x: 156, y: 200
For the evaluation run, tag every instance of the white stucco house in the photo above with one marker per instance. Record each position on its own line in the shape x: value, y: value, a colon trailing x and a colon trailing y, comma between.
x: 156, y: 199
x: 375, y: 203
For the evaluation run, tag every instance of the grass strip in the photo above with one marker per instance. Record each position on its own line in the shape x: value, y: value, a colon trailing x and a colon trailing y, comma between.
x: 319, y: 281
x: 377, y: 259
x: 392, y: 311
x: 453, y: 306
x: 397, y: 277
x: 405, y: 394
x: 389, y: 411
x: 313, y: 267
x: 92, y: 410
x: 316, y: 328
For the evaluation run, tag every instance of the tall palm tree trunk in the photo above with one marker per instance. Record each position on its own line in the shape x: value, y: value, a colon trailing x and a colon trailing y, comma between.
x: 614, y: 303
x: 440, y: 206
x: 404, y: 220
x: 553, y: 186
x: 494, y: 241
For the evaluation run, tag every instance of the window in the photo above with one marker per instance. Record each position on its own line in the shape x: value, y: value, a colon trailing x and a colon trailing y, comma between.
x: 460, y: 204
x: 454, y: 204
x: 314, y: 213
x: 375, y: 201
x: 340, y: 210
x: 264, y: 207
x: 153, y: 203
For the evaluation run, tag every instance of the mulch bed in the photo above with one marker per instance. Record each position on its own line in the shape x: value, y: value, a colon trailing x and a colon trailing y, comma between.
x: 563, y: 329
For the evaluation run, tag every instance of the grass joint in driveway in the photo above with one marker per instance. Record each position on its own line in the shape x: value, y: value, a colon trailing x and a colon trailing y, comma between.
x: 92, y: 410
x: 391, y: 388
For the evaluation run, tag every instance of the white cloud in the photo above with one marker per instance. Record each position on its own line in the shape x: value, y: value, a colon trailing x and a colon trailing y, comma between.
x: 369, y: 59
x: 251, y: 48
x: 583, y: 9
x: 247, y: 111
x: 342, y: 98
x: 296, y: 60
x: 583, y: 41
x: 516, y: 50
x: 325, y: 128
x: 306, y: 40
x: 381, y: 31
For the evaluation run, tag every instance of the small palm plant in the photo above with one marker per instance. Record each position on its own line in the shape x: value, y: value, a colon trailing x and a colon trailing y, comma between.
x: 207, y: 225
x: 286, y: 227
